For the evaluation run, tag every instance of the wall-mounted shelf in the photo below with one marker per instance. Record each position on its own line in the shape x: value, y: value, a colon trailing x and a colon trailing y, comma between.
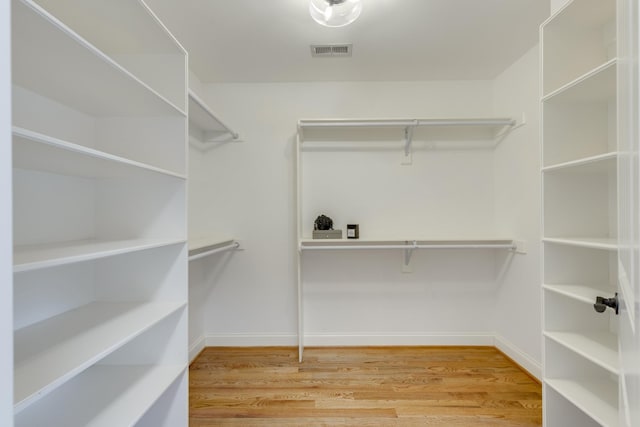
x: 498, y: 126
x: 359, y: 244
x: 205, y: 126
x: 204, y: 247
x: 408, y: 245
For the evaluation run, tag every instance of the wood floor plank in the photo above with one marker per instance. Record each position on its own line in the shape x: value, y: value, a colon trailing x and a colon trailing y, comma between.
x: 368, y: 386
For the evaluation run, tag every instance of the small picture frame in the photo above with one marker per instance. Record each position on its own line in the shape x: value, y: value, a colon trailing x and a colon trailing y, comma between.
x: 353, y: 231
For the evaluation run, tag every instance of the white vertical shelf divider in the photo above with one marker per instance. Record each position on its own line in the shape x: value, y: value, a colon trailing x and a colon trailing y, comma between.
x: 100, y: 243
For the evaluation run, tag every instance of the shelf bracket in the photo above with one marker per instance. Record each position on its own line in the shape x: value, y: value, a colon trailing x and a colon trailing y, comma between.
x: 408, y: 252
x: 408, y: 140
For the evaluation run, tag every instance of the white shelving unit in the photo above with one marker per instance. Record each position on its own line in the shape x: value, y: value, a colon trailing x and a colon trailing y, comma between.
x: 345, y: 144
x: 579, y: 173
x: 100, y: 251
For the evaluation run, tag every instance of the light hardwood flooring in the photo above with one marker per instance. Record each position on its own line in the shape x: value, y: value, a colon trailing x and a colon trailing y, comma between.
x: 361, y: 386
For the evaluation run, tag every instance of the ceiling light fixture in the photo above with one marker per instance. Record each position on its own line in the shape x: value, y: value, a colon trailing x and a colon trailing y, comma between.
x: 335, y: 13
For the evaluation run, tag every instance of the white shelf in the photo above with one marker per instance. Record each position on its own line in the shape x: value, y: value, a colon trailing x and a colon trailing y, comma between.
x: 206, y: 121
x: 123, y: 396
x: 33, y: 150
x: 131, y: 34
x: 581, y: 293
x: 491, y: 128
x: 495, y: 122
x: 576, y: 39
x: 593, y: 164
x: 88, y: 80
x: 138, y: 30
x: 405, y: 244
x: 585, y: 242
x: 597, y: 399
x: 34, y: 257
x: 599, y: 347
x: 51, y: 352
x: 598, y: 84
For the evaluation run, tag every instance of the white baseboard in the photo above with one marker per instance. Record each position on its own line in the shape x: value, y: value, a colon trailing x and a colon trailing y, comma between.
x: 356, y: 339
x: 196, y: 348
x: 250, y: 340
x: 521, y: 358
x: 473, y: 339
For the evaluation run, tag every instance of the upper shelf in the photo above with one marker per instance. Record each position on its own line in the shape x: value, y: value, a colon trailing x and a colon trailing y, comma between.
x: 129, y: 33
x: 596, y: 85
x: 496, y: 123
x: 493, y: 128
x: 36, y: 151
x: 65, y: 67
x: 206, y: 123
x: 579, y: 37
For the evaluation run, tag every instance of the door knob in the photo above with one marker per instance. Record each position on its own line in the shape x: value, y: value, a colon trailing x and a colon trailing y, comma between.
x: 602, y: 303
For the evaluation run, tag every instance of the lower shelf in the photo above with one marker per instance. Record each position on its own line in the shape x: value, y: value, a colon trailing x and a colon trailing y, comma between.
x: 597, y: 399
x: 599, y: 347
x: 336, y: 244
x: 50, y: 353
x: 586, y: 294
x: 124, y: 394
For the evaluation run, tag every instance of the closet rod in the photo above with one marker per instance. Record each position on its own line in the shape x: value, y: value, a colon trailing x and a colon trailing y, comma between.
x: 468, y: 246
x: 229, y: 247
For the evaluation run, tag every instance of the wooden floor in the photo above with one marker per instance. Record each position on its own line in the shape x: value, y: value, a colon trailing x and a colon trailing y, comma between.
x: 361, y: 386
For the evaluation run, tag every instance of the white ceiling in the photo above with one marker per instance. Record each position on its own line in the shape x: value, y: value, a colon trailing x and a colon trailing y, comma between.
x: 393, y: 40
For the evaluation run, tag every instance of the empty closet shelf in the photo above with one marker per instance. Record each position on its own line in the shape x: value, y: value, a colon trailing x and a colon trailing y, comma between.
x: 32, y: 257
x: 49, y: 353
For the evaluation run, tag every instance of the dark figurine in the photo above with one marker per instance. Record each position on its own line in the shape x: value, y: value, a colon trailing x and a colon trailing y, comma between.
x: 323, y: 223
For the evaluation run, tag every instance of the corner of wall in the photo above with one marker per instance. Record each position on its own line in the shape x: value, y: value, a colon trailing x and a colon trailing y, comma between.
x: 518, y: 317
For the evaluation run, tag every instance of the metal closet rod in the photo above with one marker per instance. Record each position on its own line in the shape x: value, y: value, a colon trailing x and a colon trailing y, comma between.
x: 229, y: 247
x: 415, y: 246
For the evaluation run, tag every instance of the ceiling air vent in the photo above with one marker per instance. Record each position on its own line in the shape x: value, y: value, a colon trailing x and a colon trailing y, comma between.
x: 327, y: 50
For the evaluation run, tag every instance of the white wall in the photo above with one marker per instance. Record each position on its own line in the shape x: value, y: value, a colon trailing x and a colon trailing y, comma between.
x: 362, y: 298
x: 6, y: 247
x: 517, y: 187
x: 557, y: 5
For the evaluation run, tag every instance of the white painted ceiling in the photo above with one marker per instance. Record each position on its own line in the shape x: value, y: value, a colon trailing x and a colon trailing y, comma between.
x: 393, y: 40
